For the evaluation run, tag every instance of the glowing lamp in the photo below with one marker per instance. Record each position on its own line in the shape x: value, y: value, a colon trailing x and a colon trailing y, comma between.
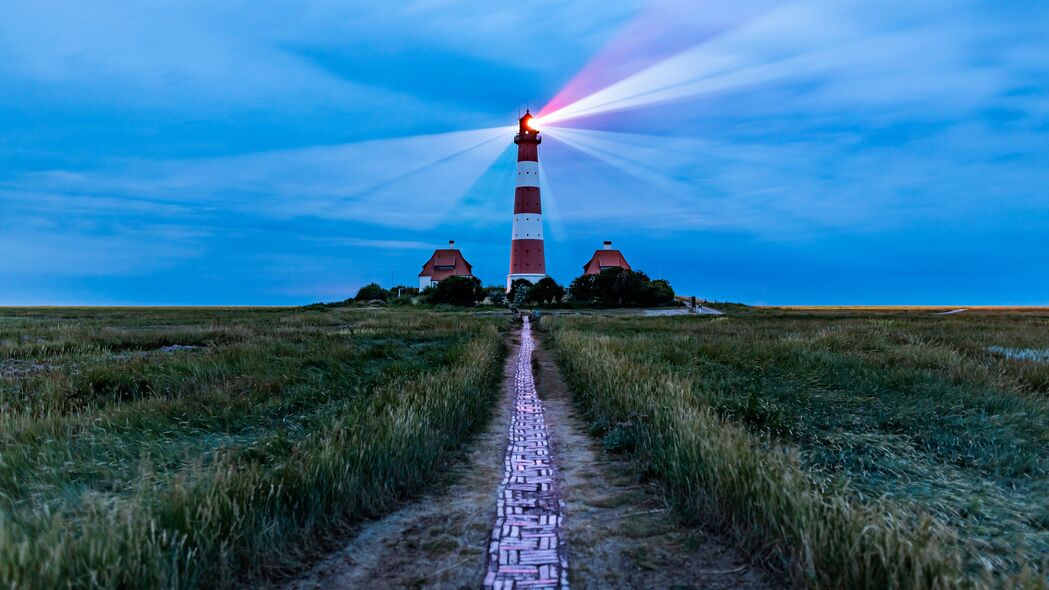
x: 528, y: 128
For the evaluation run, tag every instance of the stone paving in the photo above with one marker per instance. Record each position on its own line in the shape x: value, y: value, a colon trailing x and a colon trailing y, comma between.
x: 527, y: 548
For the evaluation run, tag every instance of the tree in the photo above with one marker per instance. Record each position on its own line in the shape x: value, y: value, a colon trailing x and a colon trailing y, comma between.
x: 662, y: 293
x: 612, y: 287
x: 546, y: 290
x: 371, y: 291
x: 584, y: 289
x: 464, y: 291
x: 511, y: 295
x: 522, y: 294
x: 618, y: 287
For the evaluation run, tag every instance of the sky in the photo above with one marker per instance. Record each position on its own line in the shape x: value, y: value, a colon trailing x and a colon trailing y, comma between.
x: 283, y: 153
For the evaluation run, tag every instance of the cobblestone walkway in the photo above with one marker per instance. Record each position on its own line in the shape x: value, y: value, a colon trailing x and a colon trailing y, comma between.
x: 527, y: 548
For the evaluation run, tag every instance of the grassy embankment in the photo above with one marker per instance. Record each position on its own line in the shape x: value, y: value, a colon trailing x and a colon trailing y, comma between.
x: 892, y: 450
x: 125, y: 464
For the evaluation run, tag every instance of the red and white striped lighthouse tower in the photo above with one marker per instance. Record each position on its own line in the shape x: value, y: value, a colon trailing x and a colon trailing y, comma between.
x: 527, y: 259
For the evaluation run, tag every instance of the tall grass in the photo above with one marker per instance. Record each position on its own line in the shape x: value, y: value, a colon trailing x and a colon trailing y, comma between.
x: 253, y: 466
x: 835, y: 456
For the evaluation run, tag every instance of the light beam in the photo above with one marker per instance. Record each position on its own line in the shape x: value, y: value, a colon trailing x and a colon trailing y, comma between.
x: 406, y: 182
x: 764, y: 49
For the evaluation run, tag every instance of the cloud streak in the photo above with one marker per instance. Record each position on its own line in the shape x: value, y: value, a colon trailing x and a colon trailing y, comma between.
x: 403, y: 182
x: 270, y: 151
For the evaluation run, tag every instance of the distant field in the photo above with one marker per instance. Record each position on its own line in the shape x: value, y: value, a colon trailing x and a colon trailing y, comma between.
x: 185, y: 447
x: 853, y: 448
x: 918, y: 308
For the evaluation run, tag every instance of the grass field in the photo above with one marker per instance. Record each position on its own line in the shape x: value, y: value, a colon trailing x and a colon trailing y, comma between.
x: 855, y: 449
x: 206, y: 447
x: 849, y: 448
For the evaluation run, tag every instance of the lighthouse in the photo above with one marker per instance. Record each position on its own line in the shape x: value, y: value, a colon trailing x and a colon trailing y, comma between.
x: 527, y: 258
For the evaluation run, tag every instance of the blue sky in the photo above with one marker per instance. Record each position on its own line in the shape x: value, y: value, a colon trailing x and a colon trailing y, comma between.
x: 813, y: 152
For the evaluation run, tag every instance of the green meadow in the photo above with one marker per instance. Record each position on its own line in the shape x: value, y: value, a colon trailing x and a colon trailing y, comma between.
x: 845, y: 449
x: 209, y: 447
x: 224, y: 447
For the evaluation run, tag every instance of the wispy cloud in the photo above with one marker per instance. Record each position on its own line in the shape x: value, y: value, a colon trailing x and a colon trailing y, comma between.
x: 380, y: 244
x: 49, y: 251
x: 294, y: 148
x: 791, y: 119
x: 404, y: 182
x: 850, y: 52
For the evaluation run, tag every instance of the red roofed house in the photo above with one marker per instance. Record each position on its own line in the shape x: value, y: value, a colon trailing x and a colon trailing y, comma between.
x: 445, y: 262
x: 606, y: 258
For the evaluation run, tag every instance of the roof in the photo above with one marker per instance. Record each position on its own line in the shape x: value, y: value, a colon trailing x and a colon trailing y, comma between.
x: 446, y: 262
x: 603, y: 259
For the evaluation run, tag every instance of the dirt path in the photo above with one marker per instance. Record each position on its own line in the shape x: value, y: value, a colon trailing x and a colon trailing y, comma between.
x: 528, y: 544
x: 619, y: 534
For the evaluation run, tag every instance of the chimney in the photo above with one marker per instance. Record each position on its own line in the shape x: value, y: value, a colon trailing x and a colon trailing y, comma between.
x: 451, y: 243
x: 608, y: 244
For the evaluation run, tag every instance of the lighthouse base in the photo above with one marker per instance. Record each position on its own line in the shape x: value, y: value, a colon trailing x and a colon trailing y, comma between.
x: 530, y: 278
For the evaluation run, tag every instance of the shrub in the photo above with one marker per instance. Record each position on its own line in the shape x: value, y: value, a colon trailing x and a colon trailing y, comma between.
x: 546, y: 290
x: 462, y: 291
x: 496, y: 294
x: 372, y: 291
x: 522, y: 295
x: 619, y: 287
x: 403, y: 295
x: 401, y: 291
x: 516, y: 286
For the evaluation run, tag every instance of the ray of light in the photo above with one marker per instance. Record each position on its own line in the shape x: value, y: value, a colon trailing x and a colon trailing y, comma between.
x: 622, y: 192
x: 475, y: 203
x: 655, y: 167
x: 363, y: 181
x: 685, y: 183
x: 551, y: 208
x: 761, y: 50
x: 427, y: 194
x: 662, y: 29
x: 696, y: 182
